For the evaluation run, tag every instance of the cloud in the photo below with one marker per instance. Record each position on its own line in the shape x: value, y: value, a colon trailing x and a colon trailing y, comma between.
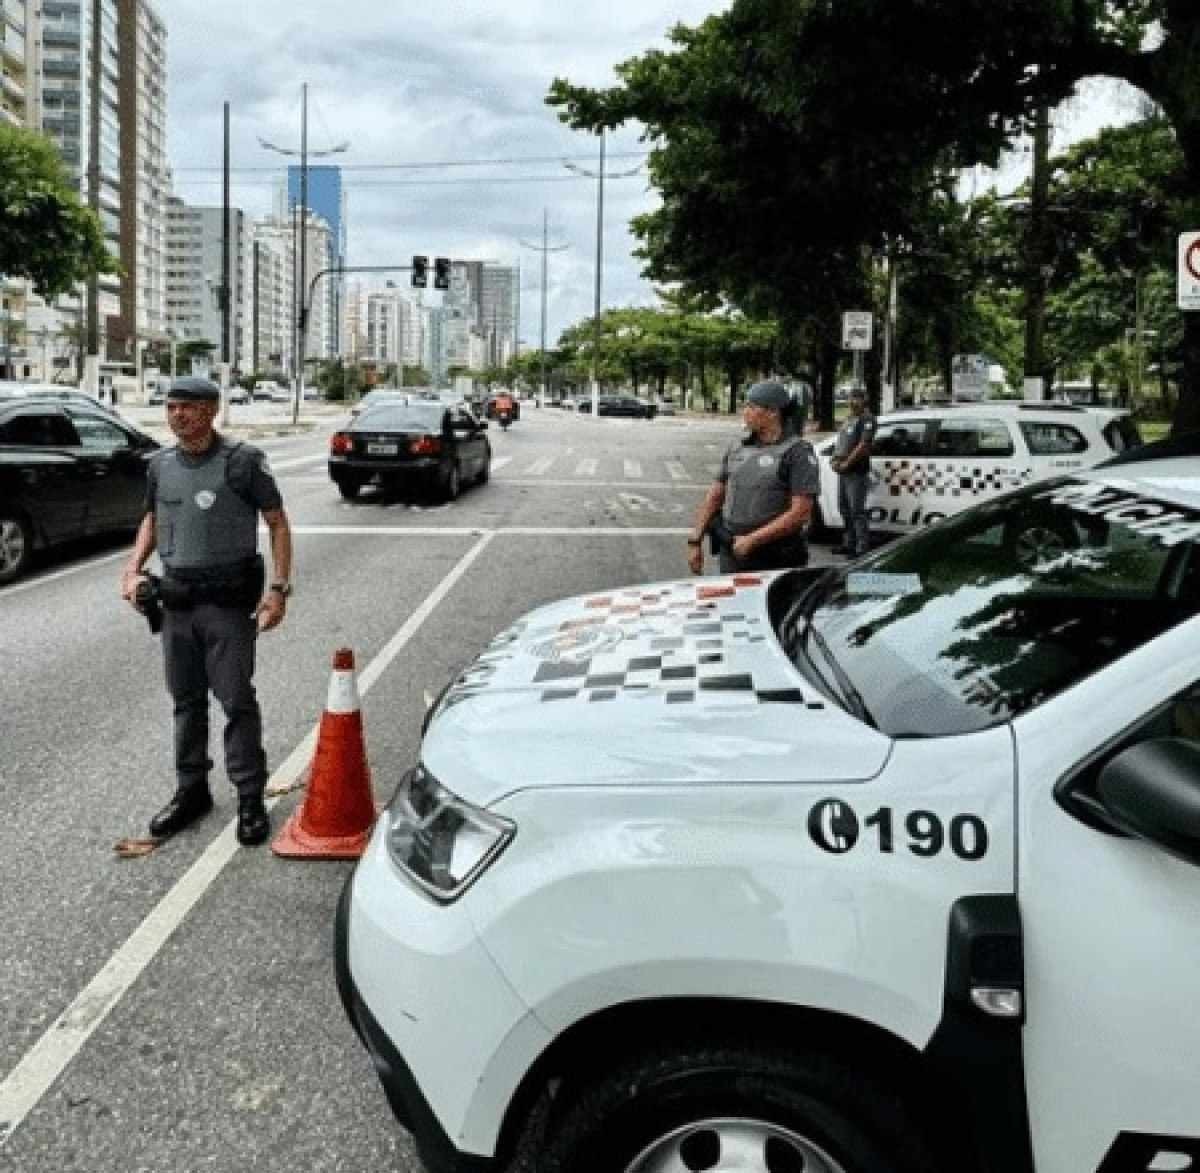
x: 417, y: 83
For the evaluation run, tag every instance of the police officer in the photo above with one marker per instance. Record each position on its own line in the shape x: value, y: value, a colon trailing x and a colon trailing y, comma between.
x: 203, y: 499
x: 852, y: 463
x: 759, y: 505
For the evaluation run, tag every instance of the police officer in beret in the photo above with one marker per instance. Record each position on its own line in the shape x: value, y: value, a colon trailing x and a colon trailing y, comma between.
x: 758, y: 508
x: 203, y: 500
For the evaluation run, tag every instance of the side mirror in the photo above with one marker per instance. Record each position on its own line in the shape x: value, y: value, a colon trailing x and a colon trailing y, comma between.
x: 1152, y: 791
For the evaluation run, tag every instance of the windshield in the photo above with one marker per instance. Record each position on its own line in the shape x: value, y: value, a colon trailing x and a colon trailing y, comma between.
x: 980, y: 618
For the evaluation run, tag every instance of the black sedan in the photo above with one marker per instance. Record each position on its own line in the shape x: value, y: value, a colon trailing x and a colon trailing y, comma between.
x: 625, y: 405
x: 420, y: 443
x: 67, y: 471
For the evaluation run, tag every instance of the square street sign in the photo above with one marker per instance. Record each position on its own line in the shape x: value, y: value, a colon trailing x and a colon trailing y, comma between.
x: 856, y: 330
x: 1189, y: 270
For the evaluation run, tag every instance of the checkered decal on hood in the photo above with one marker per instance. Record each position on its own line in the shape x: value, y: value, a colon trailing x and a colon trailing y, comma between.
x: 674, y: 644
x: 948, y: 478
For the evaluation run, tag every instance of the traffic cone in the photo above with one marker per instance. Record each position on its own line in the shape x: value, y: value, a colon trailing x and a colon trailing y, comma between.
x: 335, y: 819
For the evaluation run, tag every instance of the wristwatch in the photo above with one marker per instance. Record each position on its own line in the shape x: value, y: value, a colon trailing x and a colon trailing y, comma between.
x: 282, y: 587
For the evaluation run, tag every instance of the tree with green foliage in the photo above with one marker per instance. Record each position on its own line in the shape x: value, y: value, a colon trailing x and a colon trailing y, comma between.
x: 46, y: 235
x: 791, y: 135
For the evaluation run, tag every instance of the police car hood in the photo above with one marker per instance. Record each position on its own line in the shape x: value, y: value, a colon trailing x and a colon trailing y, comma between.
x: 672, y: 683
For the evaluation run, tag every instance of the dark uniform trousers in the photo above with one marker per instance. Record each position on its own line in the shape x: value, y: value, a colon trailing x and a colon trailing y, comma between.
x: 853, y: 490
x: 791, y: 552
x: 212, y: 647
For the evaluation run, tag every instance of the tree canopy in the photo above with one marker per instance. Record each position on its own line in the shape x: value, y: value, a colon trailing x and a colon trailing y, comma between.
x: 791, y: 137
x: 46, y: 234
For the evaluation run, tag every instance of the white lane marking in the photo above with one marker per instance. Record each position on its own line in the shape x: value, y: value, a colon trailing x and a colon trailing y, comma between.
x: 276, y: 465
x: 633, y: 469
x: 676, y: 471
x: 432, y: 531
x: 46, y: 1060
x: 499, y: 462
x: 586, y: 468
x: 690, y: 486
x: 17, y: 588
x: 540, y: 467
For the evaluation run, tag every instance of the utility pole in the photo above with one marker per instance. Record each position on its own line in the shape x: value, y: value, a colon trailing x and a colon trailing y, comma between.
x: 599, y: 176
x: 226, y: 219
x: 300, y: 272
x: 91, y: 363
x: 545, y: 248
x: 1037, y: 258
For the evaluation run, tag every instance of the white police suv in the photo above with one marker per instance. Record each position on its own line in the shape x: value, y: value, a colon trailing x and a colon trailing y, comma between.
x: 931, y: 462
x: 888, y: 867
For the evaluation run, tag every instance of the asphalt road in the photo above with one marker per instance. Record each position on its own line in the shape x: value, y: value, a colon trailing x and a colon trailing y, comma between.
x: 178, y: 1012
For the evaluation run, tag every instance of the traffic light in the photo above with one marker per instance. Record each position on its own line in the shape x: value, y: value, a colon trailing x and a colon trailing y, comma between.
x: 441, y: 273
x: 420, y: 272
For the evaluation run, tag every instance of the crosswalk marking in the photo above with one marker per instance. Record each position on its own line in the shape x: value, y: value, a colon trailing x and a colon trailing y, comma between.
x: 633, y: 469
x: 539, y: 468
x: 676, y: 470
x: 586, y: 468
x: 499, y: 463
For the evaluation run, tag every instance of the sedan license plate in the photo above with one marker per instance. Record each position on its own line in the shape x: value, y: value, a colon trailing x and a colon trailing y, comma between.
x: 377, y: 449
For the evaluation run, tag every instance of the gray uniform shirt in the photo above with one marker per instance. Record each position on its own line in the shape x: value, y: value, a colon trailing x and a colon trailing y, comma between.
x: 761, y: 479
x: 206, y: 507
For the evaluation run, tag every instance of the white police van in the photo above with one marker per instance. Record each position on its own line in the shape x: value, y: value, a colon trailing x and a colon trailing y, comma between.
x: 887, y: 867
x: 931, y: 462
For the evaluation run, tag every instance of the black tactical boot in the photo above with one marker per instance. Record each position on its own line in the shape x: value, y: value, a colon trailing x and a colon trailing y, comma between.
x: 185, y: 808
x: 253, y: 822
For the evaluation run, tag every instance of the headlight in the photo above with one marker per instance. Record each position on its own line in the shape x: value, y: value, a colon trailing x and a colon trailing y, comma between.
x: 439, y: 840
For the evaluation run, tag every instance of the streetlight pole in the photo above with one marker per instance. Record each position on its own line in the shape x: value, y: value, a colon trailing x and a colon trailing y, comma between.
x: 599, y: 176
x: 545, y: 248
x: 300, y: 273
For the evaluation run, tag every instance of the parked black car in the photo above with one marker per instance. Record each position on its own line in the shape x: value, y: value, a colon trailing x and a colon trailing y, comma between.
x: 67, y: 471
x: 425, y: 443
x: 627, y: 405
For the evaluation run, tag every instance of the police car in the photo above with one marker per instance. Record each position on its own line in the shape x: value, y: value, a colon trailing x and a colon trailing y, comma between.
x: 893, y: 866
x: 930, y: 462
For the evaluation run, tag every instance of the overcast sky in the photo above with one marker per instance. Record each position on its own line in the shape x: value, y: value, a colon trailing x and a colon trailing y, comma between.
x: 447, y: 82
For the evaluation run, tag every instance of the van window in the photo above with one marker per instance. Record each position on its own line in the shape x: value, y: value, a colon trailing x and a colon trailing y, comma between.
x: 1048, y: 438
x: 902, y: 438
x: 962, y: 437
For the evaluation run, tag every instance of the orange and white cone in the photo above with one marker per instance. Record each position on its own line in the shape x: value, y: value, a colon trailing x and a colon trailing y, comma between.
x: 335, y: 819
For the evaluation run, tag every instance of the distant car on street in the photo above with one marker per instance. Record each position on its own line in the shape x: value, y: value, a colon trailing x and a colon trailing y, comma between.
x: 422, y: 443
x: 239, y: 395
x: 378, y: 396
x: 68, y: 470
x: 620, y: 405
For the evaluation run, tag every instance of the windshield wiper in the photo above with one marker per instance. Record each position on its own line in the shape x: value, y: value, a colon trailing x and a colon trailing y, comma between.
x: 805, y: 606
x: 851, y: 697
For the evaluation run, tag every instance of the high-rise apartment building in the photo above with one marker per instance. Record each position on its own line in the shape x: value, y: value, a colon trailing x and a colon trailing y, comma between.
x: 269, y: 283
x: 145, y: 178
x: 500, y: 312
x: 327, y: 198
x: 281, y: 236
x: 18, y: 63
x: 91, y: 150
x: 116, y: 67
x: 194, y: 242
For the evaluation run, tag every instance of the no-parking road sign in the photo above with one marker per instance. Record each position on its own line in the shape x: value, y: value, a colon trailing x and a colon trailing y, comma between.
x: 1189, y: 270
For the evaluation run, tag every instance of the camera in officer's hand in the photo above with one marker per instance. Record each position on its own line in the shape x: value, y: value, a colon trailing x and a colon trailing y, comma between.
x: 147, y: 598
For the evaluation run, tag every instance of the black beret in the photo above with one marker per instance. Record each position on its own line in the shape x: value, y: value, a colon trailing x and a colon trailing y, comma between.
x: 195, y: 389
x: 774, y: 395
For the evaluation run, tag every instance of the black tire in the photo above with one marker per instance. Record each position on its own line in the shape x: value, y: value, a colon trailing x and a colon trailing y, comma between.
x: 348, y: 487
x: 16, y: 546
x: 485, y: 473
x: 797, y: 1112
x: 451, y: 483
x: 1029, y: 540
